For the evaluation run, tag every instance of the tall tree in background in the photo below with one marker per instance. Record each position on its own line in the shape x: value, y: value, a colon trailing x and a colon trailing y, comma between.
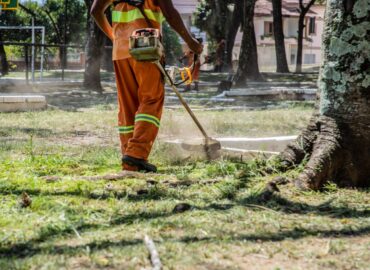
x: 171, y: 43
x: 301, y: 25
x: 213, y: 17
x: 237, y: 19
x: 108, y: 50
x: 93, y: 52
x: 4, y: 65
x: 248, y: 59
x: 281, y: 60
x: 337, y: 138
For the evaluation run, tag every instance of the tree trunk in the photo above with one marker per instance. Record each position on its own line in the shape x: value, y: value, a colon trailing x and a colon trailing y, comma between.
x: 233, y: 31
x: 93, y: 52
x: 248, y: 59
x: 337, y: 139
x: 3, y: 60
x: 301, y: 26
x: 107, y: 55
x: 302, y: 14
x: 281, y: 61
x: 107, y: 52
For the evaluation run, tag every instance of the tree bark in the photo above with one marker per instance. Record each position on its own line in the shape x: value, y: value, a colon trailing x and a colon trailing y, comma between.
x: 93, y: 52
x: 336, y: 142
x: 233, y: 31
x: 302, y: 14
x: 248, y: 59
x: 3, y: 59
x: 281, y: 60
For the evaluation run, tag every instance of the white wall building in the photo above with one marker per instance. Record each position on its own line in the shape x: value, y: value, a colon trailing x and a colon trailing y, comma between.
x: 264, y: 30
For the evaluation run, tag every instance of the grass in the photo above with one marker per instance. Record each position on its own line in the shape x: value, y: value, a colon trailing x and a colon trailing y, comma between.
x: 79, y: 224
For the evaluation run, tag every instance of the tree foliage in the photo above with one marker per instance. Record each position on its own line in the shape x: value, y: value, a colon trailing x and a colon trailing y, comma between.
x: 171, y: 44
x: 214, y: 17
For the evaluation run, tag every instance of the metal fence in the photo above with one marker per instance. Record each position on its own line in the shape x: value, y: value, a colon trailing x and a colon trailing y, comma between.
x: 45, y: 62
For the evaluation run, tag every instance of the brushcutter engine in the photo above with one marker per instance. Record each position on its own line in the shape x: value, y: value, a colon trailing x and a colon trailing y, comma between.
x: 145, y: 45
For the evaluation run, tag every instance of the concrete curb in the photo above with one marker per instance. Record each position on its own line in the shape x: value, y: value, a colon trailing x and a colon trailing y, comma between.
x: 22, y: 103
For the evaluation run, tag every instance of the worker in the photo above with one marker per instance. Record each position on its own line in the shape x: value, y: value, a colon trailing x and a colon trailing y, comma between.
x: 140, y: 85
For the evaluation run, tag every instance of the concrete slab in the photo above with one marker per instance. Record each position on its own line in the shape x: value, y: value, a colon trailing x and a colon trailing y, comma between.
x: 243, y: 148
x: 272, y: 144
x: 22, y: 103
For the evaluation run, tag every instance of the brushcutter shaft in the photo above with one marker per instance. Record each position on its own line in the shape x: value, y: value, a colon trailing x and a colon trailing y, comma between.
x: 182, y: 100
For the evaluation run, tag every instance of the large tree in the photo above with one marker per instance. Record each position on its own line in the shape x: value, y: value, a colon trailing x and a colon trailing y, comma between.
x: 4, y: 65
x: 337, y: 140
x: 248, y: 59
x: 236, y: 21
x: 281, y: 61
x: 213, y: 17
x: 303, y: 9
x: 94, y: 52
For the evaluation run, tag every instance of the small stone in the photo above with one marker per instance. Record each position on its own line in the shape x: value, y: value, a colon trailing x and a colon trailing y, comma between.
x: 181, y: 208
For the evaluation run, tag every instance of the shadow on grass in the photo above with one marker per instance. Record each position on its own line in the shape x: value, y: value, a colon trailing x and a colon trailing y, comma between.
x: 275, y: 202
x: 296, y: 233
x: 30, y: 249
x: 7, y: 132
x: 280, y: 204
x: 151, y: 194
x: 39, y: 132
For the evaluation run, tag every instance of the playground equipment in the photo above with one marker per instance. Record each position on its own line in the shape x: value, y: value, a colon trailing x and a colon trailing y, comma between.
x: 12, y: 5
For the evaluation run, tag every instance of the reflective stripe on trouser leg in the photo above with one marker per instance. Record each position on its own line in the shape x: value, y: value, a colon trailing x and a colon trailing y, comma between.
x: 126, y: 129
x: 147, y: 118
x: 128, y: 102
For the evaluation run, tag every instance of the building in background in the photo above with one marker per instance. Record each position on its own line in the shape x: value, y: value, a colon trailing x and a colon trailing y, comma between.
x: 263, y: 23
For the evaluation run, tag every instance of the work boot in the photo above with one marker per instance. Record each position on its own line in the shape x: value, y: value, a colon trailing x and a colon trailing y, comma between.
x: 140, y: 164
x: 126, y: 167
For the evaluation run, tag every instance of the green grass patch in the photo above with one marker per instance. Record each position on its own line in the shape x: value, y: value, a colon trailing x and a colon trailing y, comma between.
x: 74, y: 223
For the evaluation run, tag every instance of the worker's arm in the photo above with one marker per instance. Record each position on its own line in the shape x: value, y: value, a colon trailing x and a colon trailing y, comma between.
x: 98, y: 13
x: 174, y: 20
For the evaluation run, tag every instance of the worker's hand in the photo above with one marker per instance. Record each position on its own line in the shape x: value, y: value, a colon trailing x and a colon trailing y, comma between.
x: 195, y: 46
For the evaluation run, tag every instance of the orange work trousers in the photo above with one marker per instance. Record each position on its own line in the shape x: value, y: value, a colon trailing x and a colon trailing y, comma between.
x: 140, y: 89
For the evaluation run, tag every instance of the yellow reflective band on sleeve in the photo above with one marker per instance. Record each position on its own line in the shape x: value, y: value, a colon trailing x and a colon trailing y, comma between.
x: 135, y: 14
x: 126, y: 129
x: 147, y: 118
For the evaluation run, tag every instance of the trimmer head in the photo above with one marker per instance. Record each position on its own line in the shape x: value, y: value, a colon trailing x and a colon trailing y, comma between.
x: 210, y: 147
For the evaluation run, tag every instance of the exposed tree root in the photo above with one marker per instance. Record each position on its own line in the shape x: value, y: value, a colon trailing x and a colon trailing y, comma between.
x: 297, y: 150
x: 325, y: 158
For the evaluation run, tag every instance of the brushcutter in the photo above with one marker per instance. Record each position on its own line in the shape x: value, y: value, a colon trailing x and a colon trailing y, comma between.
x: 145, y: 45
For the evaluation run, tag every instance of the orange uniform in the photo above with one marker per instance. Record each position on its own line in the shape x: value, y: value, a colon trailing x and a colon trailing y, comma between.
x: 140, y: 84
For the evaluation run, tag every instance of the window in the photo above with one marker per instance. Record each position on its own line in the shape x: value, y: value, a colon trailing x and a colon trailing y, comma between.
x: 312, y: 26
x: 269, y: 29
x: 309, y: 59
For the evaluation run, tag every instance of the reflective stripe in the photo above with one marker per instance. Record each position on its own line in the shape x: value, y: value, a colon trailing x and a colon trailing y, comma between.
x: 126, y: 129
x: 135, y: 14
x: 147, y: 118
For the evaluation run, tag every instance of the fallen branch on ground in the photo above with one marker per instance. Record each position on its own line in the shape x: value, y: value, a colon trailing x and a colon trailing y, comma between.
x: 154, y: 256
